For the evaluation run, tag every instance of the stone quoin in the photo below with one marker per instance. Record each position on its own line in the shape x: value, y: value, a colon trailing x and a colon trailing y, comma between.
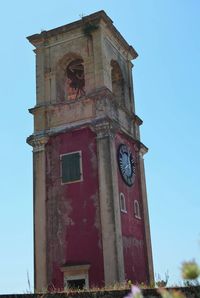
x: 91, y: 223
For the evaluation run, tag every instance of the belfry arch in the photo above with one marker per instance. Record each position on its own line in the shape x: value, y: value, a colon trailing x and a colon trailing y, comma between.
x: 117, y: 82
x: 70, y: 77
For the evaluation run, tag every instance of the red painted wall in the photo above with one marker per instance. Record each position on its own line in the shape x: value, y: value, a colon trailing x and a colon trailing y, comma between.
x: 134, y: 246
x: 73, y: 218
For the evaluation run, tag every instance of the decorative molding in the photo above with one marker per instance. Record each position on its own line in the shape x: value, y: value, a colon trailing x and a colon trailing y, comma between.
x: 37, y: 142
x: 138, y: 120
x: 69, y: 268
x: 94, y: 18
x: 105, y: 129
x: 142, y: 152
x: 142, y: 149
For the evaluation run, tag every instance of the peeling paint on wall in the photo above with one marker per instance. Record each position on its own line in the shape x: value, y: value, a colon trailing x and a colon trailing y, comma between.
x: 73, y: 209
x: 132, y: 241
x: 135, y: 258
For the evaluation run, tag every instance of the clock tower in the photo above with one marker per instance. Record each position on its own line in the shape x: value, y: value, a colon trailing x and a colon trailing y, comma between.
x: 91, y: 224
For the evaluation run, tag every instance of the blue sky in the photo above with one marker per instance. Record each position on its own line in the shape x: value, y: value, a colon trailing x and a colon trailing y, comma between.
x: 165, y: 33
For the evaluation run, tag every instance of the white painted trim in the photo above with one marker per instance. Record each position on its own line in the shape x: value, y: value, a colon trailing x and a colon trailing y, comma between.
x: 122, y: 196
x: 137, y: 211
x: 75, y: 267
x: 76, y: 277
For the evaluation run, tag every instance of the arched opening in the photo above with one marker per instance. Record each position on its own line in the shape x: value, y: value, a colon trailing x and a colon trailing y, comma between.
x: 75, y: 79
x: 122, y: 202
x: 117, y: 82
x: 137, y: 209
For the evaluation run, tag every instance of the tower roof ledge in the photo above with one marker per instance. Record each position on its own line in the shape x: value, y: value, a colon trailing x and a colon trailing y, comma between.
x: 94, y: 18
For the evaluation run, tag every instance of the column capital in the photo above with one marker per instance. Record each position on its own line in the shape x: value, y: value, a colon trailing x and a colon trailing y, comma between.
x: 37, y: 142
x: 105, y: 129
x: 142, y: 150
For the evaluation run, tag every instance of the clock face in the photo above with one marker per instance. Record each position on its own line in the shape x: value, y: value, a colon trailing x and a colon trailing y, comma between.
x: 126, y: 164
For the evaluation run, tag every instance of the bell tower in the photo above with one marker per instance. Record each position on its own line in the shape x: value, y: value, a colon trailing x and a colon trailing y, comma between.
x: 91, y: 224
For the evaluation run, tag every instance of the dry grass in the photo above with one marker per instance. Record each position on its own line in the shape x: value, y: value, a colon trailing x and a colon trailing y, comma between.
x: 112, y: 287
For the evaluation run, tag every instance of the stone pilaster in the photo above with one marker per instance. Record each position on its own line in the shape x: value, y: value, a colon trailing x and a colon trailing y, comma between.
x: 39, y: 178
x: 40, y: 73
x: 142, y: 151
x: 109, y: 204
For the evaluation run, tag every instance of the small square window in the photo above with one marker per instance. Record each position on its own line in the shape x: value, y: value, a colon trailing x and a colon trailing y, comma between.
x: 76, y: 284
x: 71, y: 167
x: 76, y: 276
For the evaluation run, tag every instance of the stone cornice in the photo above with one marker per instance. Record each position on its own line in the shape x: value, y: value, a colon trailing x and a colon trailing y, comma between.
x: 142, y: 149
x: 69, y: 268
x: 105, y: 128
x: 97, y: 96
x: 40, y: 39
x: 138, y: 120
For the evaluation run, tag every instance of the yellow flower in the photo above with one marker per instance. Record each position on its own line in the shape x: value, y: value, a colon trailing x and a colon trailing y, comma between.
x: 129, y: 282
x: 190, y: 270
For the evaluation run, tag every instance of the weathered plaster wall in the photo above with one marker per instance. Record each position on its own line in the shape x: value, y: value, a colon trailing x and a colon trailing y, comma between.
x: 73, y: 219
x: 134, y: 246
x: 55, y: 52
x: 112, y: 50
x: 70, y: 213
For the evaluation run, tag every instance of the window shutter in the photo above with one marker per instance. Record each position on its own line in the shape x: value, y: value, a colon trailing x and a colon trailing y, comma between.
x: 71, y: 167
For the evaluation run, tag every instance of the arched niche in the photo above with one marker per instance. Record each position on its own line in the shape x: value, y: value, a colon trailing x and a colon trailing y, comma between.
x: 117, y: 82
x: 70, y: 78
x: 137, y: 212
x: 122, y: 202
x: 75, y: 77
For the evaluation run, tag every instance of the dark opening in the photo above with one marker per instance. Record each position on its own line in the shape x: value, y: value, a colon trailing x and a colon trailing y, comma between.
x: 76, y: 284
x: 117, y: 82
x: 71, y: 167
x: 75, y: 79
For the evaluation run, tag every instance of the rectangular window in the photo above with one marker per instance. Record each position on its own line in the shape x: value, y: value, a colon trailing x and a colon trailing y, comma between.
x: 76, y: 284
x: 76, y: 276
x: 71, y: 167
